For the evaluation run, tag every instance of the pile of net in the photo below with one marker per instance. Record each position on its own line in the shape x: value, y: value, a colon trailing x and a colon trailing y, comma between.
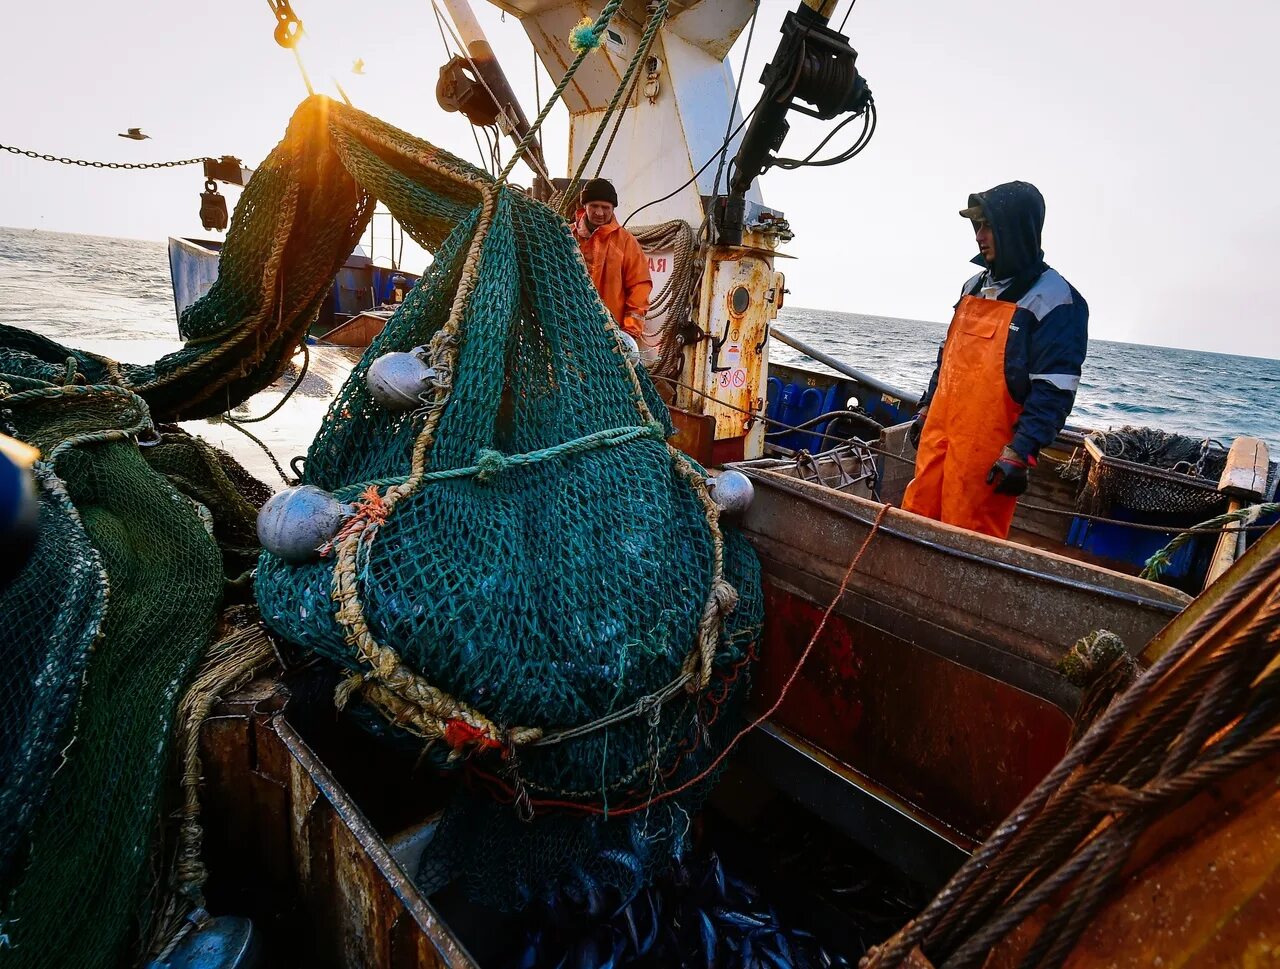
x: 535, y: 583
x: 1149, y: 470
x: 103, y: 628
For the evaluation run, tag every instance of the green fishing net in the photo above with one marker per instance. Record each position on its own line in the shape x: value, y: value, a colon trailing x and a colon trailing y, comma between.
x: 537, y: 584
x: 102, y: 629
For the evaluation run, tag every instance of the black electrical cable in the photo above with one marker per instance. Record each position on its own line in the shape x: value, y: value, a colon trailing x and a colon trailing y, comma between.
x: 742, y: 72
x: 705, y: 166
x: 864, y: 139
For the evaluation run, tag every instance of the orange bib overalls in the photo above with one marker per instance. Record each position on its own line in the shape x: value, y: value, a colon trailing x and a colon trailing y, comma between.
x: 970, y: 420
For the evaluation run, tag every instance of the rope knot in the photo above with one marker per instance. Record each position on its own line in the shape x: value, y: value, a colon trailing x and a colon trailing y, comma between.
x: 369, y: 512
x: 584, y: 37
x: 462, y: 737
x: 656, y: 430
x: 1091, y: 656
x: 489, y: 464
x: 725, y: 597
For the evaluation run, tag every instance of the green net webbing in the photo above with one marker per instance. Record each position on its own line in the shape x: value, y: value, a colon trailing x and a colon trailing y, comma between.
x: 115, y: 608
x: 535, y: 581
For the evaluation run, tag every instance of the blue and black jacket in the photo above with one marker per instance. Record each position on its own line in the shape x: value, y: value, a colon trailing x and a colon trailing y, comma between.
x: 1049, y: 332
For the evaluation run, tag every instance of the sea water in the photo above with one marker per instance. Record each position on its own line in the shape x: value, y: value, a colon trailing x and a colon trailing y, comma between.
x: 113, y: 296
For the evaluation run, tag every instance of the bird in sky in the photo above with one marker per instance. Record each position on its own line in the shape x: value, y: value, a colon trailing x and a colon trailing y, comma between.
x: 358, y: 66
x: 134, y: 133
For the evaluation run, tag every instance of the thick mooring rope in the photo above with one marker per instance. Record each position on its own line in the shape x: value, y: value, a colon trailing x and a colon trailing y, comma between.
x: 1203, y: 711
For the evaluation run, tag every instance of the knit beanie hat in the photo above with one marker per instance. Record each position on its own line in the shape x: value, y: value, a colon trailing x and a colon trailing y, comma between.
x: 599, y: 190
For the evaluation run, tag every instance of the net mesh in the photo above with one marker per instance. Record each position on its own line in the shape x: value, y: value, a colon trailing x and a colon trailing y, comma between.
x: 106, y: 621
x: 533, y: 557
x: 535, y: 583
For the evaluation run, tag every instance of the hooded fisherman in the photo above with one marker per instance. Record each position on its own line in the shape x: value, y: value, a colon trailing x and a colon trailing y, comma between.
x: 1007, y: 374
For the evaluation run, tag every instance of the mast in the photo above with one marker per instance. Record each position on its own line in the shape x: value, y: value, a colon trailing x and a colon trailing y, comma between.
x: 481, y: 58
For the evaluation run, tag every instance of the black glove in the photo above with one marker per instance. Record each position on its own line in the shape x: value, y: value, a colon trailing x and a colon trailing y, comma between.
x: 1009, y: 474
x: 917, y: 426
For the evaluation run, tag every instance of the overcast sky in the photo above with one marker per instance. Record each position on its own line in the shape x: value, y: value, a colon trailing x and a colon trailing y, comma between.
x: 1152, y: 129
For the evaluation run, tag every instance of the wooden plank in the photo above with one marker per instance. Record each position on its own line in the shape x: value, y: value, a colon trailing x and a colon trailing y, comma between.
x: 1244, y: 479
x: 1245, y: 475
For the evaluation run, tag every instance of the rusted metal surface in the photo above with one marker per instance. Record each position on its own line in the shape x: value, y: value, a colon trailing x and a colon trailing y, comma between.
x: 935, y: 676
x: 1020, y: 602
x: 287, y: 847
x: 730, y: 365
x: 695, y: 434
x: 959, y: 746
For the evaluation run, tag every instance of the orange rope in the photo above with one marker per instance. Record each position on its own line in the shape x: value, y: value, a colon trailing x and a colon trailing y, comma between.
x: 370, y: 507
x: 782, y: 695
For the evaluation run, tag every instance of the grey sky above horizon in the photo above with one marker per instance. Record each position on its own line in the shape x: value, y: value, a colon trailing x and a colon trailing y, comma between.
x: 1151, y: 128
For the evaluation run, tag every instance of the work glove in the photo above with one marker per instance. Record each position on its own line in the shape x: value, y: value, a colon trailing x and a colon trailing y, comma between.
x: 1008, y: 475
x: 917, y: 427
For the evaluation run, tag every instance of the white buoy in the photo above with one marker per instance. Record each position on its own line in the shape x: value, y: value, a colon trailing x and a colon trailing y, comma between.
x: 732, y: 492
x: 632, y: 347
x: 293, y: 524
x: 397, y: 381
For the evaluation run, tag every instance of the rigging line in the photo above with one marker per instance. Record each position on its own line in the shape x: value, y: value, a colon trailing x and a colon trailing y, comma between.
x: 597, y: 28
x: 622, y: 95
x: 449, y: 52
x: 626, y: 100
x: 302, y: 69
x: 442, y: 22
x: 848, y: 10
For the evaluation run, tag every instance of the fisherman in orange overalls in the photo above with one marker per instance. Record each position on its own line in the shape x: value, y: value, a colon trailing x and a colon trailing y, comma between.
x: 1007, y: 373
x: 617, y: 264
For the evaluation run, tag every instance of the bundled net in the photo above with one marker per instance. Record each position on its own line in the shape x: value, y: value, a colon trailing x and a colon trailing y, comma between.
x: 535, y: 582
x: 102, y: 630
x: 1149, y: 470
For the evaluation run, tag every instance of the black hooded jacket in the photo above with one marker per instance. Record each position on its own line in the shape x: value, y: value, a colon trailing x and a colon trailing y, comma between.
x: 1049, y: 332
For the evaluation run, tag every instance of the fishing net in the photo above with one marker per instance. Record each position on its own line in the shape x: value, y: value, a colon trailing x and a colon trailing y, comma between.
x: 101, y: 630
x: 1149, y: 470
x: 534, y: 581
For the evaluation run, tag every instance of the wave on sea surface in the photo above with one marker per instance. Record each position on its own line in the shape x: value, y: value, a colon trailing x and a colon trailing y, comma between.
x: 105, y: 294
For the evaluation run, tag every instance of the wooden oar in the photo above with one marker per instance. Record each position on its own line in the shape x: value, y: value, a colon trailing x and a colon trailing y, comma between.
x: 1243, y: 481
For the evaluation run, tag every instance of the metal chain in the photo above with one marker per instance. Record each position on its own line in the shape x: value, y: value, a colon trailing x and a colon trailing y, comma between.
x: 131, y: 166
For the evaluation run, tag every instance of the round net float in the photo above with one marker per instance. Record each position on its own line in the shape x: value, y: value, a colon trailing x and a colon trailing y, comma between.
x: 397, y: 381
x: 732, y: 492
x: 297, y: 521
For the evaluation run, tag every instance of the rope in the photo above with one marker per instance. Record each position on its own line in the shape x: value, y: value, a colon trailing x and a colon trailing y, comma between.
x: 302, y: 373
x: 1154, y: 567
x: 1150, y: 748
x: 596, y: 30
x: 622, y: 92
x: 227, y: 666
x: 275, y: 463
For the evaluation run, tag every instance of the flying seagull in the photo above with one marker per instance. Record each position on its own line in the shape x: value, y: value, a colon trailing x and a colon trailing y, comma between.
x: 358, y: 66
x: 134, y: 133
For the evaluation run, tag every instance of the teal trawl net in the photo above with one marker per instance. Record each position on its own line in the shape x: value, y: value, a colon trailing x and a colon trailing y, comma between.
x: 535, y: 583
